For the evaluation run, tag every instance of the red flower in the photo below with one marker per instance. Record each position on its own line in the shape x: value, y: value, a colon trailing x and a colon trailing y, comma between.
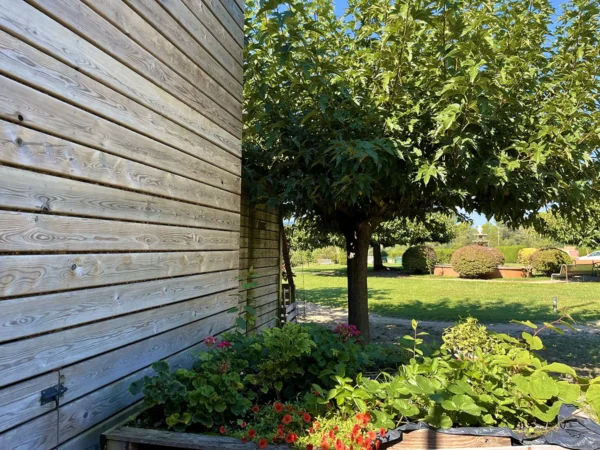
x: 372, y: 435
x: 382, y: 432
x: 331, y: 434
x: 325, y: 445
x: 286, y: 419
x: 278, y: 407
x: 359, y: 439
x: 222, y: 430
x: 280, y: 431
x: 224, y: 344
x: 243, y: 424
x: 309, y: 447
x: 311, y: 431
x: 356, y: 429
x: 255, y: 409
x: 339, y: 445
x: 252, y: 434
x: 262, y: 443
x: 290, y: 438
x: 306, y: 417
x: 244, y: 440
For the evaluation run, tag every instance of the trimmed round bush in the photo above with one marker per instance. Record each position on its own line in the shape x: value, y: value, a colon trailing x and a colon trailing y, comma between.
x: 524, y: 256
x: 549, y: 260
x: 419, y: 259
x: 476, y: 261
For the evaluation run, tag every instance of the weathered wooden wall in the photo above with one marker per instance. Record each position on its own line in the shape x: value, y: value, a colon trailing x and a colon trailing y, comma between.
x: 120, y: 200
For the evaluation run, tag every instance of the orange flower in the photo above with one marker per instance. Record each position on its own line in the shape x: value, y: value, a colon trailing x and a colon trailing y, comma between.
x: 286, y: 419
x: 306, y: 417
x: 331, y: 434
x: 339, y: 445
x: 278, y: 407
x: 372, y: 435
x: 316, y: 425
x: 262, y: 443
x: 252, y: 434
x: 325, y: 445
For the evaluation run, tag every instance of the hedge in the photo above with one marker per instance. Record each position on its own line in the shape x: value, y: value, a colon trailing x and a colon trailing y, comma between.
x: 476, y: 261
x: 510, y: 253
x: 549, y: 260
x: 419, y: 259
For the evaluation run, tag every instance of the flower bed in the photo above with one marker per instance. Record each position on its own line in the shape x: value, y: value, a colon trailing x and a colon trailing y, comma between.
x: 308, y: 387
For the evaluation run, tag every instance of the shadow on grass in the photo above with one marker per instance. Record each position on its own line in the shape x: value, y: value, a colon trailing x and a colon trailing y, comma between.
x: 441, y: 309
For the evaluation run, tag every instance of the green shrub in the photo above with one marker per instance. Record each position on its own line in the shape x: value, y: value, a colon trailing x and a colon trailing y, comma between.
x: 463, y: 339
x: 510, y: 252
x: 301, y: 257
x: 549, y: 260
x: 524, y: 255
x: 476, y: 261
x: 444, y: 255
x: 419, y: 259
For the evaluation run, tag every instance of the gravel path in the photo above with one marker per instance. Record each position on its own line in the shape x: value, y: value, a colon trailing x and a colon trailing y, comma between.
x: 388, y: 329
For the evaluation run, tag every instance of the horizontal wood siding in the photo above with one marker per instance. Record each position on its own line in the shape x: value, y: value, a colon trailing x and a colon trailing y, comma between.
x: 121, y: 224
x: 260, y: 250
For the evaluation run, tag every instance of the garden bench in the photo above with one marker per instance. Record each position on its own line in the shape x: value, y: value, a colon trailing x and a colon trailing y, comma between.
x: 574, y: 271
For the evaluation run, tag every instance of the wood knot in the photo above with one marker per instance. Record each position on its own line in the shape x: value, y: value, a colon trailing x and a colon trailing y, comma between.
x: 19, y: 141
x: 74, y: 266
x: 20, y: 117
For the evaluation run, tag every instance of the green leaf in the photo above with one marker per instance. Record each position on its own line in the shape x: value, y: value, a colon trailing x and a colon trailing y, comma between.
x: 593, y: 397
x: 559, y: 368
x: 534, y: 342
x: 567, y: 392
x: 542, y: 387
x: 526, y: 323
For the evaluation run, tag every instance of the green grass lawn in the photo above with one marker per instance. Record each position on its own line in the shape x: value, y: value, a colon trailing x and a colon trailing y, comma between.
x: 444, y: 299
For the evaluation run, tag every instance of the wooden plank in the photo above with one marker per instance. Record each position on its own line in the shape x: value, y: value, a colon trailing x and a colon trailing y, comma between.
x: 259, y: 234
x: 21, y: 402
x: 31, y: 66
x: 90, y: 439
x: 218, y: 125
x: 266, y: 271
x: 241, y: 5
x: 257, y: 214
x: 234, y: 12
x: 87, y: 376
x: 29, y: 357
x: 154, y: 14
x: 203, y: 36
x: 27, y: 275
x: 38, y: 151
x: 208, y: 19
x: 260, y: 294
x: 31, y: 25
x: 45, y: 113
x: 255, y: 222
x: 26, y: 316
x: 259, y: 243
x: 246, y: 263
x: 38, y: 434
x: 182, y: 440
x: 219, y: 11
x: 430, y: 439
x: 91, y: 409
x: 255, y: 253
x: 26, y: 232
x: 136, y: 28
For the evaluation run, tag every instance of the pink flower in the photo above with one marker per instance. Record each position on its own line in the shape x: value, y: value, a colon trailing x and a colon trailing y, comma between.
x: 224, y: 344
x: 210, y: 341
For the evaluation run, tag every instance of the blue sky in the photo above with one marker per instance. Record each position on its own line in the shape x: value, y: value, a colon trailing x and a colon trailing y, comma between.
x: 340, y: 7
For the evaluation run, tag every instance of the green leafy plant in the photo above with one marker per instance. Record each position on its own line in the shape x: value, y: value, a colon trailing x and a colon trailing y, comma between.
x: 419, y: 259
x: 467, y: 337
x: 246, y: 313
x: 524, y: 256
x: 549, y: 260
x: 505, y: 385
x: 213, y: 393
x: 476, y: 261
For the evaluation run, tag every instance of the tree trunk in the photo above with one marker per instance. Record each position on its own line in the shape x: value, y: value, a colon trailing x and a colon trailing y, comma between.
x: 358, y: 238
x: 287, y: 262
x: 377, y: 262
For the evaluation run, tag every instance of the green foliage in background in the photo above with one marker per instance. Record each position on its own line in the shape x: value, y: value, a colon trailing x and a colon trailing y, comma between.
x: 419, y: 259
x: 549, y: 260
x: 524, y: 256
x: 475, y: 261
x: 510, y: 253
x: 408, y: 107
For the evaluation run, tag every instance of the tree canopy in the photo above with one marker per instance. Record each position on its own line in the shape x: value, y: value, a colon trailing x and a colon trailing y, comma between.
x: 406, y: 107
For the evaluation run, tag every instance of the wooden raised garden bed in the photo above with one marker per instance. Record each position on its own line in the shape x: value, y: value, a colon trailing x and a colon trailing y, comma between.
x: 130, y: 438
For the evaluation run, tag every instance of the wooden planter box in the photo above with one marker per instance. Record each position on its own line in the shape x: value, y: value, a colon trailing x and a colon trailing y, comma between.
x: 129, y: 438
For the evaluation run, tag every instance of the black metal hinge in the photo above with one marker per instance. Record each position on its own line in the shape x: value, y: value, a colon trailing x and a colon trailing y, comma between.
x: 53, y: 393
